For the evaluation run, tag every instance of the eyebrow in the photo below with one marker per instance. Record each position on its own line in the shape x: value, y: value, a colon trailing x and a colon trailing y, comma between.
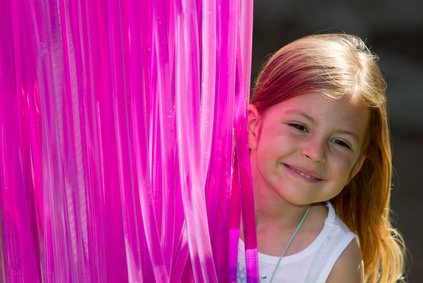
x: 298, y: 112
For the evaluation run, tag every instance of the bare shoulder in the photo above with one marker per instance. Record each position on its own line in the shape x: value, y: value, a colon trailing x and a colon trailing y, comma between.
x: 349, y: 267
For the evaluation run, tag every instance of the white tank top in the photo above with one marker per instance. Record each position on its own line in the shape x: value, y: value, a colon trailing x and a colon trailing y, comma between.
x: 313, y: 264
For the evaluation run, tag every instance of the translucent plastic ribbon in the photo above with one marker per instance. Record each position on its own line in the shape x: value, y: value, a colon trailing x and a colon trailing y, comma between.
x: 123, y: 147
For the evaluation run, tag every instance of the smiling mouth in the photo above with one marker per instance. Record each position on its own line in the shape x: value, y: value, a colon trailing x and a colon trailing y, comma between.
x: 303, y: 174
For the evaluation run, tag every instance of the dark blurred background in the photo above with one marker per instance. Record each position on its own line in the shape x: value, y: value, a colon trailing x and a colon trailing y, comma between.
x: 394, y: 30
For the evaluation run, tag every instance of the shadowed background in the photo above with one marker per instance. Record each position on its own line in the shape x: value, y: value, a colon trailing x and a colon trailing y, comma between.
x: 394, y: 31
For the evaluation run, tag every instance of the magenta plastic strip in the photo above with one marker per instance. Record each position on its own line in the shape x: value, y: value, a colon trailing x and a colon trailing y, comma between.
x: 123, y: 153
x: 242, y: 100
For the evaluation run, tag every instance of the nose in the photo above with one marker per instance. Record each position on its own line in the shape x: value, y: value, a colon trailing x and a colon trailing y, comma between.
x: 315, y: 150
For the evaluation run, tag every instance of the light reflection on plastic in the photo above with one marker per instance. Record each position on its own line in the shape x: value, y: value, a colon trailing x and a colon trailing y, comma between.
x: 123, y: 154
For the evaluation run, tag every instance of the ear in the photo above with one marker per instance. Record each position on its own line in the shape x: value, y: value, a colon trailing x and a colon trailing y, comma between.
x: 252, y: 126
x: 357, y: 167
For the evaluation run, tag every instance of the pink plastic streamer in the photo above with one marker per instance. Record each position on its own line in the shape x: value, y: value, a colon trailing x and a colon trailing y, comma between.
x: 123, y: 147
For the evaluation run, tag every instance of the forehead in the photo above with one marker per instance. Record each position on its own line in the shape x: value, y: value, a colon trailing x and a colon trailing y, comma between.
x: 315, y: 101
x: 343, y: 114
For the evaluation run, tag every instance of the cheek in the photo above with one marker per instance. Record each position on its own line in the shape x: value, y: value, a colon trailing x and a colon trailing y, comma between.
x: 277, y: 138
x: 266, y: 160
x: 273, y: 147
x: 344, y: 166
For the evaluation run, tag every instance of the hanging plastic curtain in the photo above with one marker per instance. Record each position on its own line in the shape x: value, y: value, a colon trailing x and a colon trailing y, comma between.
x: 123, y: 148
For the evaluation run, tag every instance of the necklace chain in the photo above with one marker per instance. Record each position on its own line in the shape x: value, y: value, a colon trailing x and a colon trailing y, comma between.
x: 292, y: 238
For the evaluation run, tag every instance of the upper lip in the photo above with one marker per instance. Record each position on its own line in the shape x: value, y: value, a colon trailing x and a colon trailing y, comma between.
x: 305, y: 171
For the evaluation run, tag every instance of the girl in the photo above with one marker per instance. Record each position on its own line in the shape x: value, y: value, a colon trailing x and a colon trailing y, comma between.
x: 321, y: 166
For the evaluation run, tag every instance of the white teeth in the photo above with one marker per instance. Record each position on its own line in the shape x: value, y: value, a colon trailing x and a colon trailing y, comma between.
x: 302, y: 174
x: 305, y: 175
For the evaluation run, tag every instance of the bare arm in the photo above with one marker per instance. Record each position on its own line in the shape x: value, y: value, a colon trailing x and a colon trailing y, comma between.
x: 349, y: 267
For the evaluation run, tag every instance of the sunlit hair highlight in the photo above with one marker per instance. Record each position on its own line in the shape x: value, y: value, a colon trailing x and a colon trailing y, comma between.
x: 337, y: 66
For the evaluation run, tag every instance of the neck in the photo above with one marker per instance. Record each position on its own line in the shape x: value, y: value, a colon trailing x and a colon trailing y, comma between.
x: 276, y: 223
x: 273, y: 212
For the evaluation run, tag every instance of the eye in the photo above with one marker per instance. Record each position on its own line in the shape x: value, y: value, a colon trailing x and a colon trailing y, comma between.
x: 341, y: 143
x: 299, y: 127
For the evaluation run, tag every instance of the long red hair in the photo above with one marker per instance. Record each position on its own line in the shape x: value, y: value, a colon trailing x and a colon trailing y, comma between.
x: 338, y: 65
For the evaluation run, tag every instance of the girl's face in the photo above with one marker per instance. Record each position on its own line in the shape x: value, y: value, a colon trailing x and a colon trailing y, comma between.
x: 307, y: 148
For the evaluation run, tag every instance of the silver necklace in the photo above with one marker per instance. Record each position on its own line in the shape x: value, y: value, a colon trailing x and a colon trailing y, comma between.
x: 292, y: 238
